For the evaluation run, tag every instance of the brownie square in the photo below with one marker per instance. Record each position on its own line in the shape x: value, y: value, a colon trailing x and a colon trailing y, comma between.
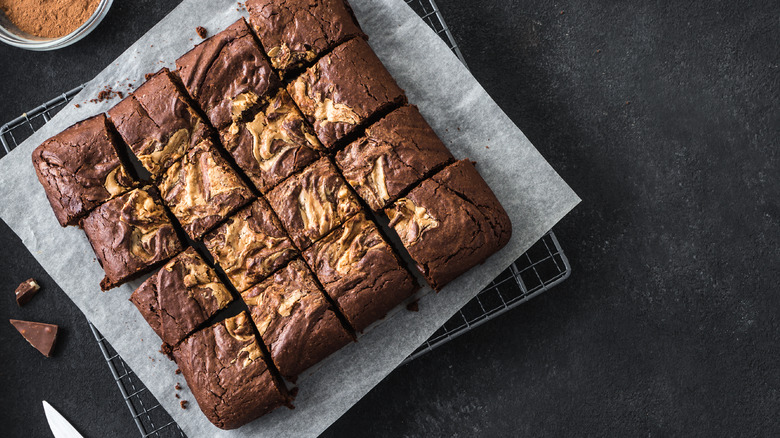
x: 180, y: 297
x: 360, y: 272
x: 343, y: 89
x: 202, y: 189
x: 79, y: 169
x: 130, y: 235
x: 276, y: 143
x: 396, y: 153
x: 251, y: 245
x: 295, y: 32
x: 313, y: 202
x: 228, y: 74
x: 228, y: 374
x: 450, y: 223
x: 158, y: 123
x: 294, y: 319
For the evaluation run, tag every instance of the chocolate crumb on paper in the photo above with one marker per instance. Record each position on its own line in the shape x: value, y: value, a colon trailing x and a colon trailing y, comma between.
x: 201, y: 31
x: 184, y: 404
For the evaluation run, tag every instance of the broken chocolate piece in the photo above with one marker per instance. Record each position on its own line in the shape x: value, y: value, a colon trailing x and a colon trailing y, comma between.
x: 39, y: 335
x: 26, y: 291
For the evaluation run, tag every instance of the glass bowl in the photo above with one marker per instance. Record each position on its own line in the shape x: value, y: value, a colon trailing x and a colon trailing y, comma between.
x: 10, y: 34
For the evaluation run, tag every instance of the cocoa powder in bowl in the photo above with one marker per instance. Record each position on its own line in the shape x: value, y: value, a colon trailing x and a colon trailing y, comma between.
x: 48, y: 18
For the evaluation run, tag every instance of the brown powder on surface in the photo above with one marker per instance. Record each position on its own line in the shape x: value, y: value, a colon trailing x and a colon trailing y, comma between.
x: 48, y: 18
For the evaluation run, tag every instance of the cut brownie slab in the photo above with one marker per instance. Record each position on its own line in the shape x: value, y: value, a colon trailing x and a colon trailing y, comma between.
x: 450, y: 223
x: 202, y: 189
x: 130, y: 235
x: 343, y: 89
x: 180, y: 297
x: 295, y: 319
x: 250, y: 245
x: 80, y: 168
x: 396, y: 153
x: 295, y: 32
x: 158, y: 123
x: 276, y: 143
x: 228, y: 374
x: 228, y: 74
x: 360, y: 272
x: 313, y: 202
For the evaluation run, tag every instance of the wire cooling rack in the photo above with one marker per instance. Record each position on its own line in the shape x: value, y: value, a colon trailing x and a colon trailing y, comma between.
x: 542, y: 267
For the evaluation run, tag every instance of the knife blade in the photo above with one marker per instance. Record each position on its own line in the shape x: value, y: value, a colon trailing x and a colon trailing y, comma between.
x: 60, y: 427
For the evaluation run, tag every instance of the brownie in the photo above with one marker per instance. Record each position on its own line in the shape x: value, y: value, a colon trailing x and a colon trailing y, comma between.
x: 450, y: 223
x: 130, y: 235
x: 228, y: 373
x: 228, y: 74
x: 344, y: 89
x: 396, y: 153
x: 313, y: 202
x: 276, y: 143
x: 202, y: 189
x: 294, y: 319
x: 251, y: 245
x: 360, y: 272
x: 158, y: 123
x: 79, y: 169
x: 295, y: 32
x: 180, y: 297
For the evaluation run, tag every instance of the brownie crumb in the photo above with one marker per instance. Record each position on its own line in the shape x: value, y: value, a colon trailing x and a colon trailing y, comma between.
x: 176, y: 395
x: 184, y: 404
x: 178, y: 371
x: 77, y: 106
x: 106, y: 93
x: 413, y: 306
x: 177, y: 387
x: 148, y: 76
x: 201, y: 31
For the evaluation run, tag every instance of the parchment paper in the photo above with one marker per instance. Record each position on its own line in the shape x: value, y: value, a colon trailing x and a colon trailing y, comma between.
x: 453, y: 102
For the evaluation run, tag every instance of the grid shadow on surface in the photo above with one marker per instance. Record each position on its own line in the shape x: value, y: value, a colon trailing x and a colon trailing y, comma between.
x: 542, y: 267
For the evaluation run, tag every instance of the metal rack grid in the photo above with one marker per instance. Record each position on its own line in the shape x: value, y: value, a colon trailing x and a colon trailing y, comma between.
x: 541, y: 268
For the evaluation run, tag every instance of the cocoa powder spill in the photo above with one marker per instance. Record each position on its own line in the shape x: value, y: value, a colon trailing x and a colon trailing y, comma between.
x: 48, y: 18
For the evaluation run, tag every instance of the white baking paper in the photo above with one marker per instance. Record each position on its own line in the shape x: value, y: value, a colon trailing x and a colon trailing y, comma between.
x: 457, y: 107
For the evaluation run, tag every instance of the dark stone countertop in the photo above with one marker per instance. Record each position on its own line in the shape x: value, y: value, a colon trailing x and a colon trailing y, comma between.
x: 663, y: 116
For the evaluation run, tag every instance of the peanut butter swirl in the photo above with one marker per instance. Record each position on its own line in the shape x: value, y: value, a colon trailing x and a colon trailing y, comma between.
x: 238, y: 328
x: 410, y: 220
x: 159, y: 153
x: 145, y: 218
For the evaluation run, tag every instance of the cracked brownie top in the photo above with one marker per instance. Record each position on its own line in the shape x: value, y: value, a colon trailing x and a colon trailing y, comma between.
x: 360, y: 271
x: 343, y: 89
x: 80, y: 168
x: 158, y: 123
x: 228, y: 374
x: 313, y: 202
x: 450, y: 223
x: 276, y: 143
x: 395, y: 153
x: 228, y: 74
x: 295, y: 319
x: 181, y: 296
x: 130, y: 235
x: 250, y: 245
x: 295, y: 32
x: 202, y: 189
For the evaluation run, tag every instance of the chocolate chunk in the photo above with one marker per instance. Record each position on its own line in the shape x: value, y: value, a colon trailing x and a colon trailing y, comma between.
x: 39, y: 335
x: 26, y: 291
